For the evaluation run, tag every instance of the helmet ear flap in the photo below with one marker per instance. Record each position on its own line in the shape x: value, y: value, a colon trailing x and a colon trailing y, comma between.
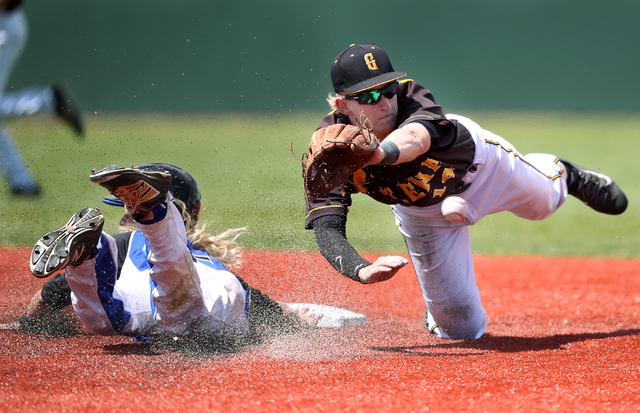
x: 195, y: 213
x: 189, y: 215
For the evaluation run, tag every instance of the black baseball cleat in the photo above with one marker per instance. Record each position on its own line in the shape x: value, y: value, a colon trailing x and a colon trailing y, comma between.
x: 67, y: 109
x: 138, y: 190
x: 70, y: 245
x: 33, y: 190
x: 596, y: 190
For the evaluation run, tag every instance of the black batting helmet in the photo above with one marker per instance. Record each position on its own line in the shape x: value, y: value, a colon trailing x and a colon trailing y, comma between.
x: 183, y: 187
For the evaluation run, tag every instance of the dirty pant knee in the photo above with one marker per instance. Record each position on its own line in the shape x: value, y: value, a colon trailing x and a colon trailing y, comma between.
x: 456, y: 319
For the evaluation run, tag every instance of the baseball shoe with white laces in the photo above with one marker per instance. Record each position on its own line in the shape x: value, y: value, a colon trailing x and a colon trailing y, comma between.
x: 138, y: 190
x: 596, y: 190
x: 70, y: 245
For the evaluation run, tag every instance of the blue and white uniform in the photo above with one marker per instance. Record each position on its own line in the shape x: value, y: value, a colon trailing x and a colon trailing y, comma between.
x: 165, y: 286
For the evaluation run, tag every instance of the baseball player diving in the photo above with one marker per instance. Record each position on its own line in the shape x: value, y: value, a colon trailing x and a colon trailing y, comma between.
x: 165, y: 277
x: 424, y: 157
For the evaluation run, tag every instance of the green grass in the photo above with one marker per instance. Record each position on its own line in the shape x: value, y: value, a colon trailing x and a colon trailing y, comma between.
x: 249, y: 177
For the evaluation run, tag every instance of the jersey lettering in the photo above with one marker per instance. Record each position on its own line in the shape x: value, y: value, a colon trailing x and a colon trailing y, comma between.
x: 359, y: 179
x: 410, y: 191
x: 388, y: 193
x: 437, y: 193
x: 432, y: 164
x: 447, y: 174
x: 421, y: 180
x: 415, y: 187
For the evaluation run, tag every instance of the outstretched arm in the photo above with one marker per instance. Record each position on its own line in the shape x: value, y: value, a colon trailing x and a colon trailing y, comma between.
x: 382, y: 269
x: 267, y: 315
x: 43, y: 313
x: 403, y: 145
x: 330, y: 232
x: 414, y: 139
x: 32, y: 319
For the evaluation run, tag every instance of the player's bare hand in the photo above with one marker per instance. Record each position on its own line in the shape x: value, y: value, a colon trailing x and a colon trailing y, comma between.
x: 382, y: 269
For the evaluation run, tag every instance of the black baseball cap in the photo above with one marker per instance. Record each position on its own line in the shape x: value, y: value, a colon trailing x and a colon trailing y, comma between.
x: 361, y: 67
x: 183, y: 187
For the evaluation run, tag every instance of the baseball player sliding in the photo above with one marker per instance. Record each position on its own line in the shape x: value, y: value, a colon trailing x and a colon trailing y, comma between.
x: 163, y: 277
x: 425, y: 157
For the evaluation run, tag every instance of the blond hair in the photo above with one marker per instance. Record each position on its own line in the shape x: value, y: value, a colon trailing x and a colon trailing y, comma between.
x: 331, y: 100
x: 222, y: 247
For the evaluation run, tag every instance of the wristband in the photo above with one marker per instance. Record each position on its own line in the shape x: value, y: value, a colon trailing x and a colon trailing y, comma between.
x: 391, y: 152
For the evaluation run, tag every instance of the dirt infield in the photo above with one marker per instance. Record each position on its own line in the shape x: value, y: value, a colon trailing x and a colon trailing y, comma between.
x: 563, y: 336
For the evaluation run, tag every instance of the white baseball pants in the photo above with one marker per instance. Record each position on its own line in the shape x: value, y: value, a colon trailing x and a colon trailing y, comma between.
x: 531, y: 187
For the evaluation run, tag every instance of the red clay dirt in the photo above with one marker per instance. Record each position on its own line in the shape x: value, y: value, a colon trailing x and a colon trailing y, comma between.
x: 563, y: 336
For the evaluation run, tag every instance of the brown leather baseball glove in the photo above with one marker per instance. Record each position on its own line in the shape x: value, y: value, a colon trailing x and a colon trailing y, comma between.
x: 335, y: 153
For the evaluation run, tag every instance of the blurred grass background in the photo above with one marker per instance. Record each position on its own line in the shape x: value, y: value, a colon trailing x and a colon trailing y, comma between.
x: 249, y: 177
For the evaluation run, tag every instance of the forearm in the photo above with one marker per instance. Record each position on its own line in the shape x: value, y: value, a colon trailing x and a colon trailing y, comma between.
x: 262, y: 309
x: 267, y: 316
x: 42, y: 315
x: 403, y: 145
x: 36, y: 309
x: 54, y: 295
x: 330, y: 232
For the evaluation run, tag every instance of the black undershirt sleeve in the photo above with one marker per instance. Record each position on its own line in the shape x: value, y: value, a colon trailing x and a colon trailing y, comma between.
x: 330, y: 232
x: 122, y: 242
x: 56, y: 292
x: 263, y: 311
